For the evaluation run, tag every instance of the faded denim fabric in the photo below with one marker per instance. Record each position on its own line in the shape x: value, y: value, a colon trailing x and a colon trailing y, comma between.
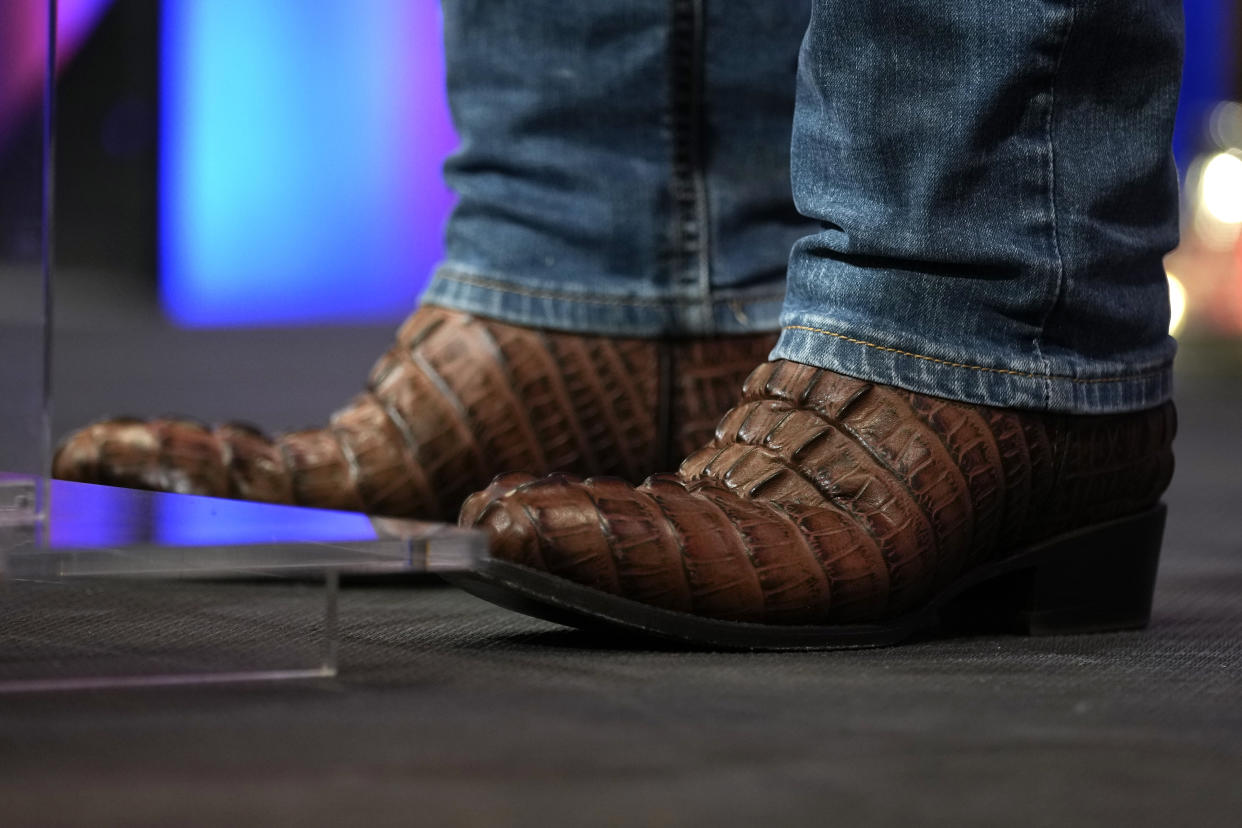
x: 996, y: 190
x: 988, y: 186
x: 624, y: 164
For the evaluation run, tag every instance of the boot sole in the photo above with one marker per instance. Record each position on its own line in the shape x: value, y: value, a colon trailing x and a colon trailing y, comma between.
x: 1097, y: 579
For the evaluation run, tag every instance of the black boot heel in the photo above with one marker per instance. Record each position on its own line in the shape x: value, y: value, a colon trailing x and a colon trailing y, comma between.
x: 1097, y: 579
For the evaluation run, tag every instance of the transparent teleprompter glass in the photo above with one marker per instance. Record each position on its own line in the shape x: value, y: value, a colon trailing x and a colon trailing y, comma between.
x: 109, y: 587
x: 26, y: 71
x: 119, y: 587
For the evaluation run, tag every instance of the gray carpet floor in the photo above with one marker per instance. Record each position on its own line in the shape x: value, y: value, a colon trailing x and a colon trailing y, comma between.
x: 451, y: 712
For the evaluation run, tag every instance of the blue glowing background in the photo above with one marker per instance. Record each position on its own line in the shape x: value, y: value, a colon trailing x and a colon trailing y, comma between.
x: 300, y: 159
x: 301, y: 148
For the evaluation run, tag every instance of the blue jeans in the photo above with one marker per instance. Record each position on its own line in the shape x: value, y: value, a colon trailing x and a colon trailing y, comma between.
x: 984, y: 191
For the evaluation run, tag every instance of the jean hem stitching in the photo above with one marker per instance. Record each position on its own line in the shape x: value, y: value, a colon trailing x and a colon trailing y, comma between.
x: 949, y: 364
x: 565, y: 296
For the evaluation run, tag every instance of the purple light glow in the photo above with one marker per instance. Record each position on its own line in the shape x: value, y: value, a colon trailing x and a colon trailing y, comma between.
x: 23, y: 33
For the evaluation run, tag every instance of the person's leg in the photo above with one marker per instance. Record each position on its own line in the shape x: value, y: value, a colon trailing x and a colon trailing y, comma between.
x: 624, y: 166
x: 614, y: 268
x: 996, y: 192
x: 972, y: 382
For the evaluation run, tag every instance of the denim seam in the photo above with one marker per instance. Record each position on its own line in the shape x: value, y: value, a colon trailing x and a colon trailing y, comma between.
x: 1059, y: 285
x: 496, y: 284
x: 699, y: 80
x: 689, y: 223
x: 947, y: 363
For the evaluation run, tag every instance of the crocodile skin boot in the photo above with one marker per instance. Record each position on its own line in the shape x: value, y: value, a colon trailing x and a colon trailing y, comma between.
x: 832, y: 512
x: 455, y: 401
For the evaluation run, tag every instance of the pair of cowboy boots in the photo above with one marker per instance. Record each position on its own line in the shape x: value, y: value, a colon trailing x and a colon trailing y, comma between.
x: 821, y: 511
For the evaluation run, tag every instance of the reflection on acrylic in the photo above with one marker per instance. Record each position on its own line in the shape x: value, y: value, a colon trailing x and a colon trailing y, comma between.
x: 89, y: 516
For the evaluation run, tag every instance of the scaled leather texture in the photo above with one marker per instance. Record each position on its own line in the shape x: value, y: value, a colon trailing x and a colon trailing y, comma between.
x: 827, y: 499
x: 455, y: 401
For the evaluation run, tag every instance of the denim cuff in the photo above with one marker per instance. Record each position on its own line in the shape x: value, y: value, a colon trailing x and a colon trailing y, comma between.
x: 591, y: 311
x: 982, y: 383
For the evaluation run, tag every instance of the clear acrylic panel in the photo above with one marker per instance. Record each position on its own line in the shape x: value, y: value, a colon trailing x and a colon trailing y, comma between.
x: 26, y: 71
x: 123, y: 588
x: 109, y: 587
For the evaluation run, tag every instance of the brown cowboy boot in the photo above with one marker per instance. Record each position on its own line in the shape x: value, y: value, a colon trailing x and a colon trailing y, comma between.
x: 832, y: 512
x: 455, y: 401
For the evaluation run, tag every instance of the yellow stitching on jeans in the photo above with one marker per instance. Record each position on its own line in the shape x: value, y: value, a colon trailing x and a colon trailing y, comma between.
x: 964, y: 365
x: 495, y: 284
